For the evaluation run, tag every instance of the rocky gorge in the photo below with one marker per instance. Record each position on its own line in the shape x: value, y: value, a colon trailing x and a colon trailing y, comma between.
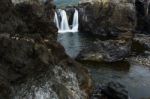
x: 34, y: 61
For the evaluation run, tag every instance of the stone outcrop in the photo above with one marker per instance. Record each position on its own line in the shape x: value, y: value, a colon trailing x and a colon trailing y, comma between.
x: 34, y: 64
x: 107, y: 17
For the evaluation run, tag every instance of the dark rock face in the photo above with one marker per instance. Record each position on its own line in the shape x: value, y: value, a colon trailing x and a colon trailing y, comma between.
x: 143, y: 15
x: 111, y: 91
x: 27, y: 56
x: 108, y: 18
x: 70, y: 12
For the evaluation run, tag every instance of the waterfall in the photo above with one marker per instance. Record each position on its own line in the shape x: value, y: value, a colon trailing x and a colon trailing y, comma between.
x: 63, y: 26
x: 56, y: 20
x: 75, y: 23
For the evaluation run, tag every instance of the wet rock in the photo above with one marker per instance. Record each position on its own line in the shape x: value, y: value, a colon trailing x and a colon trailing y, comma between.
x: 106, y: 51
x: 110, y: 91
x: 143, y: 59
x: 143, y: 40
x: 107, y: 17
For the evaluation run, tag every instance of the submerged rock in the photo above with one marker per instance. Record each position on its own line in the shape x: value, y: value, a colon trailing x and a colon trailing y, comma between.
x: 110, y: 91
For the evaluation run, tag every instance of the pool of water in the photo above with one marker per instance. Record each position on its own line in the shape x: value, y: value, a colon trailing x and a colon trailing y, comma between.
x: 135, y: 77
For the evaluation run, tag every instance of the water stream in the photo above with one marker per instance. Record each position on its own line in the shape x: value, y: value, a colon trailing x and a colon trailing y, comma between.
x: 135, y: 77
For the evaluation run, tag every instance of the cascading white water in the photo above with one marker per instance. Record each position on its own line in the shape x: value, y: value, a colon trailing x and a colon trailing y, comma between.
x: 63, y: 26
x: 75, y: 23
x: 56, y: 20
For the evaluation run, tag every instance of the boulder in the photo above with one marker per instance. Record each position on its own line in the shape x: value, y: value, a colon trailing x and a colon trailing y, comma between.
x: 108, y: 50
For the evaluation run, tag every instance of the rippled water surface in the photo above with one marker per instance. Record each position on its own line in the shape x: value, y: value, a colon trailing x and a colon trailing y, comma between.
x: 134, y: 76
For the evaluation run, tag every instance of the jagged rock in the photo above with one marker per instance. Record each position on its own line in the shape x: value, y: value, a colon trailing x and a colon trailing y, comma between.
x: 107, y: 17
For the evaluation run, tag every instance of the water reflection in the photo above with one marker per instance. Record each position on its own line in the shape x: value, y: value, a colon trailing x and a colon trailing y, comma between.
x: 71, y: 42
